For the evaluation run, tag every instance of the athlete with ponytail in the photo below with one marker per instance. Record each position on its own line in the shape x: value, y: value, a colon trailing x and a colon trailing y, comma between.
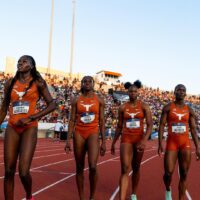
x: 133, y: 137
x: 21, y: 94
x: 87, y: 123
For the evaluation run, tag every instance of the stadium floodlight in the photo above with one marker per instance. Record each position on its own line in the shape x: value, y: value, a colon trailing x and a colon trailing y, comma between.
x: 50, y: 37
x: 72, y: 37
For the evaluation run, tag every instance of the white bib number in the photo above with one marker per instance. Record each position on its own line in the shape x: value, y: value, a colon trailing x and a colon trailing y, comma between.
x: 87, y: 118
x: 178, y: 128
x: 133, y: 123
x: 20, y: 107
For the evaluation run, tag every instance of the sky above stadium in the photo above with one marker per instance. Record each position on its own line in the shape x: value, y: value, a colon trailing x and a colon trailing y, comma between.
x: 155, y: 41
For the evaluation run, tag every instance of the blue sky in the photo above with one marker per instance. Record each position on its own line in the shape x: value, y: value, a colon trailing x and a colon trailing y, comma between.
x: 156, y: 41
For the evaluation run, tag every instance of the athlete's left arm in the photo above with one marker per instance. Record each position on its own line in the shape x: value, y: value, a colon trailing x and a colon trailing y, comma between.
x: 149, y: 122
x: 192, y: 125
x: 44, y: 92
x: 102, y: 124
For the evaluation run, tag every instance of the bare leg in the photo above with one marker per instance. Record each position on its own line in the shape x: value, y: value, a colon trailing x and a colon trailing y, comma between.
x: 27, y: 149
x: 11, y: 149
x: 79, y: 152
x: 169, y: 165
x: 126, y: 155
x: 137, y: 158
x: 93, y: 152
x: 184, y: 159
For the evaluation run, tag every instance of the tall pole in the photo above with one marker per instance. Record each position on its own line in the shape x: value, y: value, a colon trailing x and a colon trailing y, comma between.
x: 50, y: 37
x: 72, y: 37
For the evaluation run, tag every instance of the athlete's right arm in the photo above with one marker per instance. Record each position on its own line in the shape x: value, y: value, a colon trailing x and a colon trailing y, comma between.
x: 5, y: 104
x: 71, y: 125
x: 118, y: 129
x: 163, y: 121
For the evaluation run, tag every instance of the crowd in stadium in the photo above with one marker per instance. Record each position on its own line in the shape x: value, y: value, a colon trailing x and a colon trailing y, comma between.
x: 64, y: 90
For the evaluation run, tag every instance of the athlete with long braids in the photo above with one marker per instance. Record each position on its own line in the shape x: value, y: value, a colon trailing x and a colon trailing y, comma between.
x: 21, y: 94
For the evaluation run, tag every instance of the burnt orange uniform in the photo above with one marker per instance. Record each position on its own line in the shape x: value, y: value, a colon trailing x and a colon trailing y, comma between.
x: 178, y: 122
x: 22, y: 105
x: 87, y: 116
x: 133, y: 123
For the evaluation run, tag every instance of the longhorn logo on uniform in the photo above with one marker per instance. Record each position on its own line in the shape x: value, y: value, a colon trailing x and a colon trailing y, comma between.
x: 87, y: 106
x: 132, y: 114
x: 20, y: 94
x: 179, y: 115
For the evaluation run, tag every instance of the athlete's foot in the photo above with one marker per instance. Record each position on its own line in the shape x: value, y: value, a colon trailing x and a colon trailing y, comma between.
x: 30, y: 198
x: 133, y: 197
x: 168, y: 195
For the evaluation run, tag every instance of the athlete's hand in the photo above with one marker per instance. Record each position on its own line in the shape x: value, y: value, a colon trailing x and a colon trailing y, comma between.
x: 198, y: 153
x: 103, y: 149
x: 141, y: 145
x: 68, y: 147
x: 23, y: 122
x: 160, y: 150
x: 113, y: 149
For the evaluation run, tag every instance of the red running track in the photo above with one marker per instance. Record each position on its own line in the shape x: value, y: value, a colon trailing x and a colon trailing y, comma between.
x: 53, y: 175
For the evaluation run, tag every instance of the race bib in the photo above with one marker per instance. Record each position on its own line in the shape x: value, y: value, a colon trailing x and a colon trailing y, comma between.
x: 133, y: 123
x: 20, y: 107
x: 87, y: 118
x: 178, y: 128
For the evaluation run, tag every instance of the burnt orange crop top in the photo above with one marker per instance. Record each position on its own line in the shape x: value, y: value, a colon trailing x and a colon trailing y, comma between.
x: 87, y: 113
x: 178, y: 119
x: 22, y: 105
x: 133, y: 119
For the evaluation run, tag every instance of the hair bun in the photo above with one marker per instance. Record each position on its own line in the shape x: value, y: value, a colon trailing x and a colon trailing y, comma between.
x: 127, y: 85
x: 138, y: 83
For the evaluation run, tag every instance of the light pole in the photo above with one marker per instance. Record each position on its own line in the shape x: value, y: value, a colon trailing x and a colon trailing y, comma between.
x: 72, y: 38
x: 50, y: 37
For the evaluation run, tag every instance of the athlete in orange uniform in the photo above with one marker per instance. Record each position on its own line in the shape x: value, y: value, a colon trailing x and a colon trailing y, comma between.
x: 87, y: 116
x: 23, y: 105
x: 179, y: 118
x: 87, y: 121
x: 133, y: 137
x: 21, y: 94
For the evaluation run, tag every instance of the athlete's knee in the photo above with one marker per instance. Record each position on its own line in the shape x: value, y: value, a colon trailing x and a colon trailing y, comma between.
x: 125, y: 169
x: 9, y: 173
x: 93, y: 169
x: 79, y: 168
x: 183, y: 174
x: 167, y: 175
x: 136, y: 168
x: 24, y: 174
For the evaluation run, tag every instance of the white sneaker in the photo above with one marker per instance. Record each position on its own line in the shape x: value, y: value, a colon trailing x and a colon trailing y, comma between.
x: 168, y: 195
x: 133, y: 197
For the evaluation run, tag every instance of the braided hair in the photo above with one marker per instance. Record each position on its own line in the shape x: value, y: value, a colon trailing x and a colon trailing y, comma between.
x: 34, y: 73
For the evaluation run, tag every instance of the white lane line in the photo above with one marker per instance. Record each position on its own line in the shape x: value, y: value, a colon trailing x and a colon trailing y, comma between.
x: 47, y: 165
x: 61, y: 180
x: 45, y: 151
x: 37, y: 157
x: 50, y: 172
x: 50, y: 150
x: 117, y: 189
